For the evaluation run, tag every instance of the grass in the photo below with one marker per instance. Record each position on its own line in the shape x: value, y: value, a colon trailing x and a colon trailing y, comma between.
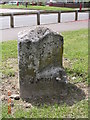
x: 76, y: 55
x: 35, y: 7
x: 79, y: 110
x: 9, y: 50
x: 76, y: 50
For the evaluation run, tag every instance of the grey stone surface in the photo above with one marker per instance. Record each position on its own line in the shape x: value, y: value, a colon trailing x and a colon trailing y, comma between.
x: 40, y: 54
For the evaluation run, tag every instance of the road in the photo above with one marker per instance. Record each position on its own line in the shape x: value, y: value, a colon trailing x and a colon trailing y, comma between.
x: 12, y: 33
x: 30, y: 20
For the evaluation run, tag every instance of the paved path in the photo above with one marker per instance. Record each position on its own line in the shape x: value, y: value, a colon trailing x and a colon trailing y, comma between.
x: 12, y: 33
x: 13, y: 10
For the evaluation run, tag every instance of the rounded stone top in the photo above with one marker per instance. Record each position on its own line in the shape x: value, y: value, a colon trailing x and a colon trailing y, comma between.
x: 35, y: 34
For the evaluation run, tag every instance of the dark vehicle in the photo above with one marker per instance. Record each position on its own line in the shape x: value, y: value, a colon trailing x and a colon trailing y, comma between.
x: 1, y: 2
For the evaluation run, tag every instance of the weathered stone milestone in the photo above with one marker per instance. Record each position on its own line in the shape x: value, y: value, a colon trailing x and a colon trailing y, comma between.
x: 40, y: 54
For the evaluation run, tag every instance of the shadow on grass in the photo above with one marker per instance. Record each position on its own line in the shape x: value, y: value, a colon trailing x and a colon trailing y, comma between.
x: 68, y: 94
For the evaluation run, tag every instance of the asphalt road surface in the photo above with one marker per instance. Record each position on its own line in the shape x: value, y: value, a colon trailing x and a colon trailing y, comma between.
x: 12, y: 33
x: 30, y: 20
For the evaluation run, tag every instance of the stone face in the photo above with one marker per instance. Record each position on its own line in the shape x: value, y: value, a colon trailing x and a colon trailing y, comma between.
x: 2, y: 97
x: 40, y: 62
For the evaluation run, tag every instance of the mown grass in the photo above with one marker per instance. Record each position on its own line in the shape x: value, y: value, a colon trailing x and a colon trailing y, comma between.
x: 76, y: 51
x: 76, y: 54
x: 9, y: 50
x: 35, y: 7
x: 79, y: 110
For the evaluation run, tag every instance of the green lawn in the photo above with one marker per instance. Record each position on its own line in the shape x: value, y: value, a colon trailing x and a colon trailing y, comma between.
x: 79, y: 110
x: 9, y: 50
x: 75, y: 50
x: 35, y: 7
x: 76, y: 54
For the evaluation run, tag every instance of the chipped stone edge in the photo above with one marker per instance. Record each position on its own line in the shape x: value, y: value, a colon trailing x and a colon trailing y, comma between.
x: 23, y: 35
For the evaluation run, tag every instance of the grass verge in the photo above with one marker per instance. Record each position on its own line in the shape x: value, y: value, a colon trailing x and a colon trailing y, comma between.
x: 79, y: 110
x: 75, y: 53
x: 76, y: 65
x: 35, y: 7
